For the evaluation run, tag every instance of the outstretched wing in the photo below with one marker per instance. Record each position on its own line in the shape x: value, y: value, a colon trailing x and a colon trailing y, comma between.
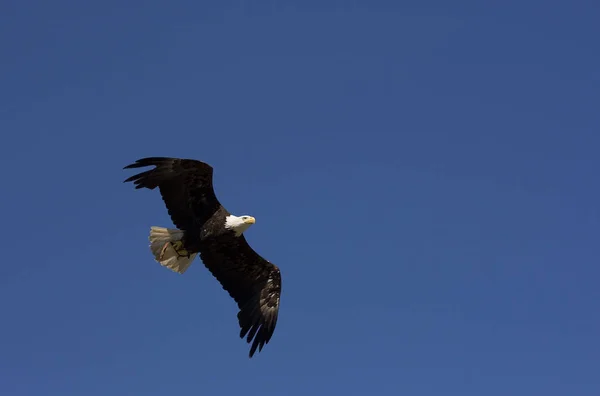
x: 253, y: 282
x: 186, y: 187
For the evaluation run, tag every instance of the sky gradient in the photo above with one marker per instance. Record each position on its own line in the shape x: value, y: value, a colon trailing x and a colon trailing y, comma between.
x: 425, y: 175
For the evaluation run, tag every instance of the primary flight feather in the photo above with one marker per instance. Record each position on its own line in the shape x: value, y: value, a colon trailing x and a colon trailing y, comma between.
x: 207, y: 229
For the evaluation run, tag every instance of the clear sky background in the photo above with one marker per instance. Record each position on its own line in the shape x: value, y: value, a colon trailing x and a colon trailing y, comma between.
x: 424, y: 173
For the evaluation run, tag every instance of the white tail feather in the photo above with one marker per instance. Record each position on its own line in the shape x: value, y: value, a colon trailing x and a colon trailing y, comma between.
x: 160, y: 245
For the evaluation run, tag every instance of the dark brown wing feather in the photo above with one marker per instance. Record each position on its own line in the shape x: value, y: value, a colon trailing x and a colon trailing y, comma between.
x: 186, y: 187
x: 253, y: 282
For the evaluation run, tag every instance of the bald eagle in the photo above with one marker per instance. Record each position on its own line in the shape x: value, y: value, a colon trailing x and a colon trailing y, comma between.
x: 207, y: 229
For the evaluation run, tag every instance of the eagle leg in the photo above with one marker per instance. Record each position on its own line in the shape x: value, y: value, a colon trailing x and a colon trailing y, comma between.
x: 178, y: 247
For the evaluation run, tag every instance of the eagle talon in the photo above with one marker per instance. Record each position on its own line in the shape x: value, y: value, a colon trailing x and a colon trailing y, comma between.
x: 179, y: 249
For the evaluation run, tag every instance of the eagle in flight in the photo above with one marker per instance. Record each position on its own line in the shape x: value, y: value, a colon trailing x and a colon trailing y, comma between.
x: 205, y: 228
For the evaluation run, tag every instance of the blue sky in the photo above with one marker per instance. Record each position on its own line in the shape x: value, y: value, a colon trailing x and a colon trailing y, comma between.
x: 425, y: 174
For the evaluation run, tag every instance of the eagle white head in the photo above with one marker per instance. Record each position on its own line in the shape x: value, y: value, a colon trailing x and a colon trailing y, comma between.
x: 239, y: 224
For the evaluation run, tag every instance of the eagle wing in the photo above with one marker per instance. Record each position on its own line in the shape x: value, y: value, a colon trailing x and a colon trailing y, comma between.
x: 186, y: 187
x: 252, y: 281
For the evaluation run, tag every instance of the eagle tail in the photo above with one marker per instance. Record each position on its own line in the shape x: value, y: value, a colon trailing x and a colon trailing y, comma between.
x: 162, y: 241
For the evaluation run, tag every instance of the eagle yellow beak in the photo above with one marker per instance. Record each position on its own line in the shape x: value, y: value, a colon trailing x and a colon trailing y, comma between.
x: 250, y: 220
